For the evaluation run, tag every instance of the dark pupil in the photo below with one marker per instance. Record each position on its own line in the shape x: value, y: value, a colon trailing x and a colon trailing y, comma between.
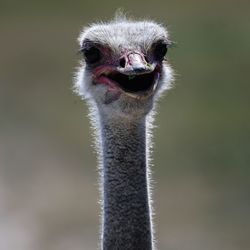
x: 92, y: 55
x: 160, y: 51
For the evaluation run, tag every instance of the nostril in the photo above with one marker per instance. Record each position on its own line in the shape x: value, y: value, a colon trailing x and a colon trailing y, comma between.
x: 146, y: 59
x: 122, y: 62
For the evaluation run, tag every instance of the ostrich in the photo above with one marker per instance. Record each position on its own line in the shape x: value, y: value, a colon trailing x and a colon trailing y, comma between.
x: 123, y: 72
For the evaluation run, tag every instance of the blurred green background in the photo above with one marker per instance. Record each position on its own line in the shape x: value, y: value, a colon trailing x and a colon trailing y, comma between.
x: 48, y: 176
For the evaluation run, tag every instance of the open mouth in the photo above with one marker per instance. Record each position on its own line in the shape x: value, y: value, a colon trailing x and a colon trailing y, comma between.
x: 134, y: 83
x: 138, y: 84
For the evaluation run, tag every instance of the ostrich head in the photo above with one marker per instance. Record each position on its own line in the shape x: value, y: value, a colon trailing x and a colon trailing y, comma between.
x: 124, y: 67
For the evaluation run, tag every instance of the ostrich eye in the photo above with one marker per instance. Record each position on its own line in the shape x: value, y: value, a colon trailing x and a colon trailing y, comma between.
x: 92, y: 54
x: 160, y: 50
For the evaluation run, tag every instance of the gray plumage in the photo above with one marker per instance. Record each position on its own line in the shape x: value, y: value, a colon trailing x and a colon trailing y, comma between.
x: 121, y: 76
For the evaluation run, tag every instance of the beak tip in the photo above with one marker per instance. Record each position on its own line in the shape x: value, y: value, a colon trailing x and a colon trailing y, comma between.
x: 139, y: 68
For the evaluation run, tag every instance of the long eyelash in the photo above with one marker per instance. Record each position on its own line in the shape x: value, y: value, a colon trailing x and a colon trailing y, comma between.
x: 87, y: 43
x: 79, y: 51
x: 171, y: 44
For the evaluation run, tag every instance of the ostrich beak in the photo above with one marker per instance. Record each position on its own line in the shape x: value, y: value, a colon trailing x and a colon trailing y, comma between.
x: 135, y: 63
x: 134, y: 76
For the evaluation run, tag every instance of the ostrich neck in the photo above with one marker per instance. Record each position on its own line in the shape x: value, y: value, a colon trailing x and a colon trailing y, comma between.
x: 126, y: 209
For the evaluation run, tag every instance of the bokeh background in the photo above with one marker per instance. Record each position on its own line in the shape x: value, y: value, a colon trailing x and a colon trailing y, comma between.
x: 48, y: 176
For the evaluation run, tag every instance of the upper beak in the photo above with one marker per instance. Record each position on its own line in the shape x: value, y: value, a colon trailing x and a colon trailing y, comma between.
x: 134, y: 63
